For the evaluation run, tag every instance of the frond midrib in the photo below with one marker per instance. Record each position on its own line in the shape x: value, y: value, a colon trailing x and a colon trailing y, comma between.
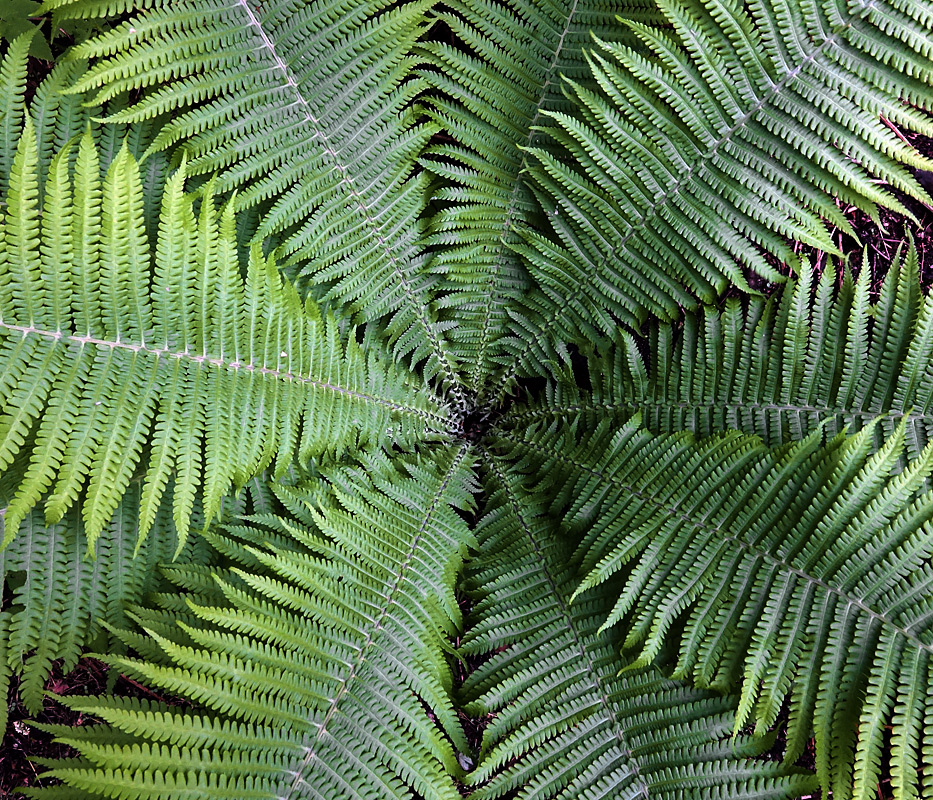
x: 594, y: 678
x: 557, y: 410
x: 695, y: 171
x: 701, y: 525
x: 234, y: 365
x: 389, y: 598
x: 491, y: 284
x: 357, y: 199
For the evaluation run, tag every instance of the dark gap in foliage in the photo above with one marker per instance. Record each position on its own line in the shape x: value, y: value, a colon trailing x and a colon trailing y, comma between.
x: 806, y: 760
x: 463, y: 667
x: 23, y: 742
x: 527, y: 389
x: 474, y: 423
x: 6, y: 593
x: 578, y: 365
x: 880, y: 241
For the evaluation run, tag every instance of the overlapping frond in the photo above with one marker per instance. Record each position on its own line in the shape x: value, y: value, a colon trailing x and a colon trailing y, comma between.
x: 802, y: 573
x: 567, y: 724
x: 320, y: 127
x: 59, y: 598
x: 495, y: 84
x: 829, y: 355
x: 59, y: 115
x: 320, y: 655
x: 111, y: 352
x: 740, y: 132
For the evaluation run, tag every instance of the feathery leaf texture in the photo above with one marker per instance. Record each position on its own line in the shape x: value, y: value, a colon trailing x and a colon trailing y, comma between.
x: 59, y: 598
x: 800, y: 572
x: 492, y: 98
x: 199, y: 204
x: 321, y: 129
x: 779, y: 368
x: 107, y: 367
x: 567, y: 724
x: 740, y: 130
x: 318, y: 654
x: 12, y: 104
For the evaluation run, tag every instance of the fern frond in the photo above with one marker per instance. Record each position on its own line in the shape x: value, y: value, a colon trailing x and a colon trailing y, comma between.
x: 12, y: 103
x: 739, y: 133
x: 567, y: 724
x: 321, y: 658
x: 59, y: 598
x: 801, y: 573
x: 495, y: 90
x: 91, y: 9
x: 105, y: 367
x: 308, y: 108
x: 825, y: 356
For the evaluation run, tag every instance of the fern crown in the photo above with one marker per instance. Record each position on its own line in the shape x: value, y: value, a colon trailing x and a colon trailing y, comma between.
x: 438, y: 399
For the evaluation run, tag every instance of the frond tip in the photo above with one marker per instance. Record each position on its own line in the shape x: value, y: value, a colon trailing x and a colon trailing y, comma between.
x: 113, y: 357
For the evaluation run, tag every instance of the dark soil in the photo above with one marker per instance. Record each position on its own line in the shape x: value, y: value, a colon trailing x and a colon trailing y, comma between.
x: 23, y: 742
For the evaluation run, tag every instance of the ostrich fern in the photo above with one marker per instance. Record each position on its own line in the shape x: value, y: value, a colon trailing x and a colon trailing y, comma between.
x: 274, y: 278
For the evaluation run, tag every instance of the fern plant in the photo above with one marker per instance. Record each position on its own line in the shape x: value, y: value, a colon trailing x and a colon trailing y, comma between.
x: 365, y: 381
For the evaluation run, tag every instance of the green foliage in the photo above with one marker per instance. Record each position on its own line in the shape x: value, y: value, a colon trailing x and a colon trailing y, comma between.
x: 733, y: 128
x: 110, y: 364
x: 18, y: 17
x: 321, y: 127
x: 799, y: 572
x: 317, y: 654
x: 59, y: 598
x: 272, y: 275
x: 809, y: 356
x: 491, y: 103
x: 567, y: 723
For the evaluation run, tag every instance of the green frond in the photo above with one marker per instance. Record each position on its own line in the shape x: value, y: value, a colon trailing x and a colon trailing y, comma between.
x: 739, y: 132
x: 495, y: 90
x: 59, y: 116
x: 200, y: 200
x: 320, y: 129
x: 320, y: 661
x: 809, y: 356
x: 567, y: 723
x: 59, y: 598
x: 800, y: 573
x: 12, y: 103
x: 105, y: 366
x: 91, y: 9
